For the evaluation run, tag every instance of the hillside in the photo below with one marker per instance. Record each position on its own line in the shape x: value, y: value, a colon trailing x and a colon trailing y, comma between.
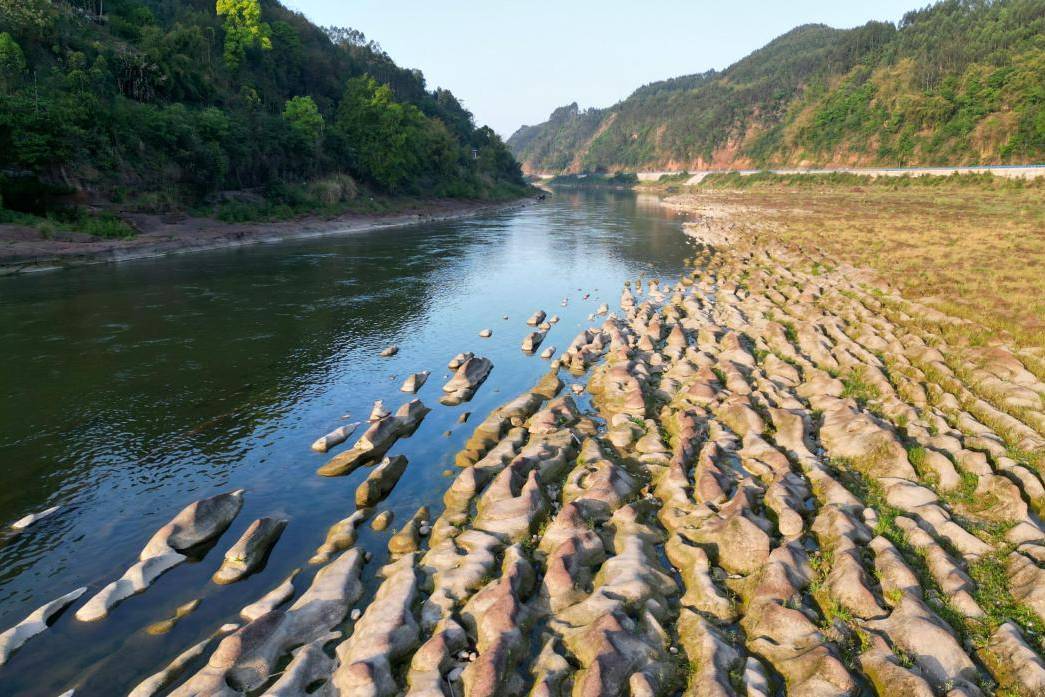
x: 166, y: 104
x: 960, y: 82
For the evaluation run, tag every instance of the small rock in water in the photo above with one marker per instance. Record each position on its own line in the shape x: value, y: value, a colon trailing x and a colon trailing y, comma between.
x: 486, y: 333
x: 577, y: 388
x: 23, y: 523
x: 455, y: 674
x: 381, y: 520
x: 415, y: 382
x: 367, y: 556
x: 390, y: 351
x: 459, y: 360
x: 554, y: 319
x: 335, y: 437
x: 505, y: 317
x: 536, y: 318
x: 548, y: 352
x: 591, y: 318
x: 424, y: 530
x: 448, y: 433
x: 673, y: 650
x: 355, y: 614
x: 463, y: 418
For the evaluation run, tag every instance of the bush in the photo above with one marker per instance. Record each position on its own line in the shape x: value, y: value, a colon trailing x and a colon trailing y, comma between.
x: 106, y: 225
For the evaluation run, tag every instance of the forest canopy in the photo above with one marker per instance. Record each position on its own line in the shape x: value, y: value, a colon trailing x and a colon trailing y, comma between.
x: 174, y: 101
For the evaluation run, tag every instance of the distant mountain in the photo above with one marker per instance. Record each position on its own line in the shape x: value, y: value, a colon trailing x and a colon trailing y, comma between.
x: 960, y: 82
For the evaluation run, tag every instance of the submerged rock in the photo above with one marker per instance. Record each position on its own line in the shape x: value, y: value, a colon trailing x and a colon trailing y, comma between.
x: 250, y: 550
x: 164, y: 626
x: 390, y: 351
x: 197, y: 523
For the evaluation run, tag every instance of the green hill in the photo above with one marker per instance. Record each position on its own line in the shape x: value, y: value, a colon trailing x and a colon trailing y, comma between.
x: 166, y: 103
x: 960, y: 82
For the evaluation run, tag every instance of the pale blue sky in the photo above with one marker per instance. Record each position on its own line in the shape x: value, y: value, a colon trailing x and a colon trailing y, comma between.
x: 511, y: 63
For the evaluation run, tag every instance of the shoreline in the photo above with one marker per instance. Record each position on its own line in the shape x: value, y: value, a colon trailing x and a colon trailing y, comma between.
x: 32, y: 254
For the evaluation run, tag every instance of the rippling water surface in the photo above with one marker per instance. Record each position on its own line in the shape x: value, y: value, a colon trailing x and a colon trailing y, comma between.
x: 129, y: 391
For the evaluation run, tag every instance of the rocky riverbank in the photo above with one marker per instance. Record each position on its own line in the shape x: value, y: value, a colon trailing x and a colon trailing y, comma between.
x: 760, y: 481
x: 24, y: 249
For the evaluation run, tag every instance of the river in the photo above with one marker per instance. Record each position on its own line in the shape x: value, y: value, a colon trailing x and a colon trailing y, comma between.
x: 132, y: 390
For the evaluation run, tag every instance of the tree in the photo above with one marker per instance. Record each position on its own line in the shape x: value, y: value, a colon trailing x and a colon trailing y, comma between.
x: 243, y: 29
x: 12, y: 61
x: 305, y: 121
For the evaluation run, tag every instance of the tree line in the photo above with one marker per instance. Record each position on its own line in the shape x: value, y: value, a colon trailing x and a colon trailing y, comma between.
x: 172, y: 101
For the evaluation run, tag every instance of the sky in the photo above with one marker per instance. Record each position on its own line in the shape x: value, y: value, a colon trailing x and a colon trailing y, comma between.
x: 512, y: 63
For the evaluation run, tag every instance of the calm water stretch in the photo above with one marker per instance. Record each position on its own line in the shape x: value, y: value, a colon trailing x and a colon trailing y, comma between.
x: 130, y: 391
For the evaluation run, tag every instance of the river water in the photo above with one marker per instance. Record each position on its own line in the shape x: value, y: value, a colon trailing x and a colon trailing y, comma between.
x: 129, y: 391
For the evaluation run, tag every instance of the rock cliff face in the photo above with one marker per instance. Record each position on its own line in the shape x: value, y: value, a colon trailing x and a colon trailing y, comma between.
x: 767, y: 482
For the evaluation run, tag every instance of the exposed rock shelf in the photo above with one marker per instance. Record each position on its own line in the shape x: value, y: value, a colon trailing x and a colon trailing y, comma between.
x: 780, y: 483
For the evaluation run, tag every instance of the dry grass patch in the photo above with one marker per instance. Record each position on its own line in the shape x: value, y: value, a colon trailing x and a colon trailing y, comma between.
x: 976, y: 253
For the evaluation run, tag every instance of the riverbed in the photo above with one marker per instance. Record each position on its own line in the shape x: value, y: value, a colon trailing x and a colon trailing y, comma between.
x: 131, y: 390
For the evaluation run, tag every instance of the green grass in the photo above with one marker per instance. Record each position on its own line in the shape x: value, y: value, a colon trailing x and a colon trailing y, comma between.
x: 103, y: 225
x: 856, y: 386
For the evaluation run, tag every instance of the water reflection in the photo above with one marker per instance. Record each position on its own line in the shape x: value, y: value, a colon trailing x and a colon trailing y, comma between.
x: 129, y: 391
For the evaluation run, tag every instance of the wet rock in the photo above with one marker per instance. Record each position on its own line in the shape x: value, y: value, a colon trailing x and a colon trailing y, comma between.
x: 336, y: 437
x: 377, y: 440
x: 459, y: 360
x: 381, y: 521
x: 197, y: 523
x: 408, y: 540
x: 244, y: 660
x: 250, y: 551
x: 26, y: 521
x: 340, y: 537
x: 13, y: 639
x: 157, y: 683
x: 415, y: 382
x: 486, y: 333
x: 380, y: 482
x: 469, y: 376
x: 536, y: 318
x: 532, y: 341
x: 548, y: 352
x: 271, y: 600
x: 389, y: 351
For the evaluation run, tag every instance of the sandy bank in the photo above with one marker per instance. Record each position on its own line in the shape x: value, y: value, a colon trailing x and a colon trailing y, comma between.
x: 24, y: 250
